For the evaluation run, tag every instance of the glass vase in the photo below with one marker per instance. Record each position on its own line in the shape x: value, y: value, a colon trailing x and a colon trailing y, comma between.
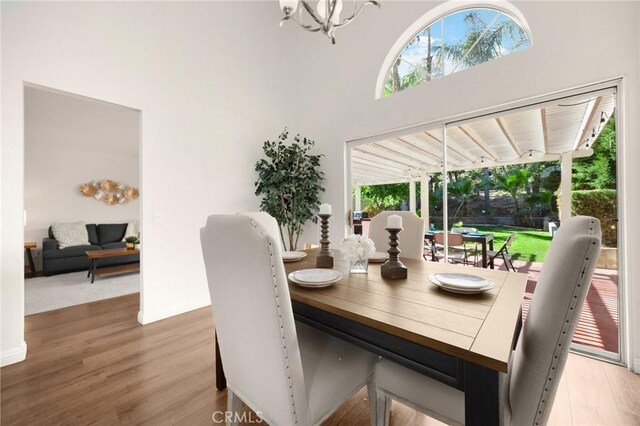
x: 358, y: 266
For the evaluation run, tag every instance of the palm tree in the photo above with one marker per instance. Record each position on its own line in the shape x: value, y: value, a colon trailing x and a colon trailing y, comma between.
x: 484, y: 41
x: 464, y: 190
x: 513, y: 183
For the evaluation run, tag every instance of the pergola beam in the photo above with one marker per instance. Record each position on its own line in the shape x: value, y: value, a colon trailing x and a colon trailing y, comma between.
x: 480, y: 145
x: 383, y: 166
x: 452, y: 149
x: 586, y: 121
x: 508, y: 137
x: 394, y: 152
x: 545, y: 137
x: 373, y: 154
x: 435, y: 157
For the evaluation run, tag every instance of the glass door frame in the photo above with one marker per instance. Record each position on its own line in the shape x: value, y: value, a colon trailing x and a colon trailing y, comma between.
x: 615, y: 84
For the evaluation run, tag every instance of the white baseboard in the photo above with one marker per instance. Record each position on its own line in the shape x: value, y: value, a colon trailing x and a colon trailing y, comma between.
x: 636, y: 365
x: 14, y: 355
x: 149, y: 317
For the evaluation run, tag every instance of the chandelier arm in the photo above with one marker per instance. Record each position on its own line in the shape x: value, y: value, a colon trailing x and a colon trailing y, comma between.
x: 311, y: 12
x: 356, y: 13
x: 331, y: 4
x: 304, y: 26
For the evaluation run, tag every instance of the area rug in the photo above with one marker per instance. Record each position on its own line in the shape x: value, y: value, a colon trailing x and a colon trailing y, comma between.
x: 42, y: 294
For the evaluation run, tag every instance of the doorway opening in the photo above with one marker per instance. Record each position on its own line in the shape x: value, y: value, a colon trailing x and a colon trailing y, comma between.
x: 81, y: 199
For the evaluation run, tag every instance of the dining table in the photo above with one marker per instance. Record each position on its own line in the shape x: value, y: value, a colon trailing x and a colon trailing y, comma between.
x: 462, y: 340
x: 484, y: 239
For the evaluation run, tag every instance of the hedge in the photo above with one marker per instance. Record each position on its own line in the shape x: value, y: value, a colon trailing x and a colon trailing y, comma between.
x: 600, y: 203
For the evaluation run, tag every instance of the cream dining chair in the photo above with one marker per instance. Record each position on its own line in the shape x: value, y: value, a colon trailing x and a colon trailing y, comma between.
x: 289, y: 373
x: 410, y: 239
x: 542, y: 349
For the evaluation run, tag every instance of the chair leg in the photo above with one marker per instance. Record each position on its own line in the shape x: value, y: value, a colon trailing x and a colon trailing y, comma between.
x: 371, y: 395
x: 234, y: 404
x: 383, y: 408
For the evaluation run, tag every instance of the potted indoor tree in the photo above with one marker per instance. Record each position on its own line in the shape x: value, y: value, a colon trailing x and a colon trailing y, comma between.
x: 289, y: 181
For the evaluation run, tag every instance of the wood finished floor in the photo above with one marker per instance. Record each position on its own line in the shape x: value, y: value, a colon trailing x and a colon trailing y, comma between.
x: 94, y: 364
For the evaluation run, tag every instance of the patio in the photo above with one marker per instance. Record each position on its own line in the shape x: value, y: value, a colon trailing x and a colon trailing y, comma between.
x: 598, y: 326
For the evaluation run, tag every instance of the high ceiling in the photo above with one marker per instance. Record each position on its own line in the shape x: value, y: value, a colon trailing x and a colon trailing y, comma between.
x: 526, y: 135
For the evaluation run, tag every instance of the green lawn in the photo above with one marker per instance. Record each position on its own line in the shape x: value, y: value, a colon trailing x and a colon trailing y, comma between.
x: 529, y: 245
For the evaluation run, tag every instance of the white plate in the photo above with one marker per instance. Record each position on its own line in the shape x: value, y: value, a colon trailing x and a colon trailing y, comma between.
x: 378, y: 257
x: 293, y: 256
x: 461, y: 281
x: 435, y: 281
x: 315, y: 278
x: 315, y: 275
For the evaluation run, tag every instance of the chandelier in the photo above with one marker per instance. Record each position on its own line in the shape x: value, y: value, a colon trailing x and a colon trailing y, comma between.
x: 326, y: 16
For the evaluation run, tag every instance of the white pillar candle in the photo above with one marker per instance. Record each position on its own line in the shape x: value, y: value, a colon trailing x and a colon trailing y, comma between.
x: 394, y: 221
x: 325, y: 208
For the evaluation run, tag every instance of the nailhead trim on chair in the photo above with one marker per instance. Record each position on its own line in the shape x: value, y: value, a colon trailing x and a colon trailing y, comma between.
x: 562, y: 338
x: 284, y: 342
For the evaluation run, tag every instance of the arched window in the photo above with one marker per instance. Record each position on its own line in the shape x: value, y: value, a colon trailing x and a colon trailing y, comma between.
x: 452, y: 42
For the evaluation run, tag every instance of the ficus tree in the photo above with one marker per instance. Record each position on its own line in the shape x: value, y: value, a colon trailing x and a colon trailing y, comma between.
x: 290, y: 183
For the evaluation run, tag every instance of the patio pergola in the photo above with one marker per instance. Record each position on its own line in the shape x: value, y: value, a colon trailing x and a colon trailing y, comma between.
x: 560, y: 130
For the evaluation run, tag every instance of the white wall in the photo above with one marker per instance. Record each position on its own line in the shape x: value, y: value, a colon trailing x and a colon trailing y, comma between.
x: 70, y: 140
x: 209, y: 80
x: 574, y: 44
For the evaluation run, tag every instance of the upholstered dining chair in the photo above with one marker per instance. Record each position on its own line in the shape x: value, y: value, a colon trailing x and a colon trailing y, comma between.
x: 542, y: 349
x: 410, y: 239
x: 269, y: 223
x: 288, y: 372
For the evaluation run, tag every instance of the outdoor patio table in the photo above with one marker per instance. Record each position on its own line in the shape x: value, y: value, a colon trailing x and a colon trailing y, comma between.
x: 481, y: 238
x: 463, y: 341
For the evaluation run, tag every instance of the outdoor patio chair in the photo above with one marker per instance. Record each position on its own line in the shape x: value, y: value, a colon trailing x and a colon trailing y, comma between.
x: 503, y: 253
x: 458, y: 252
x: 468, y: 230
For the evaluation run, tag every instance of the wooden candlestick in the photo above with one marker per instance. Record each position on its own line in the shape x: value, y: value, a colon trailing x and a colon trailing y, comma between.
x: 325, y: 257
x: 393, y: 268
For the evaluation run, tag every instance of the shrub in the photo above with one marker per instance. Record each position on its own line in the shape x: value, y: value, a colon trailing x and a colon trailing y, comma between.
x: 600, y: 203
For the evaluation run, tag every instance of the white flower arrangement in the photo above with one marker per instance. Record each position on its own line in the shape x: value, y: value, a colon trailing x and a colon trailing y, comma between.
x: 357, y: 247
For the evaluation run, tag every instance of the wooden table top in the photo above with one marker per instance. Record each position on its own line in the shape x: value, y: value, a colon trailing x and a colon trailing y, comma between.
x: 30, y: 245
x: 478, y: 328
x: 101, y: 254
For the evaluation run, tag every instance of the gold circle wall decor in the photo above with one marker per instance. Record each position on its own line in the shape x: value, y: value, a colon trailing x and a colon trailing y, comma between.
x: 109, y: 191
x: 131, y: 193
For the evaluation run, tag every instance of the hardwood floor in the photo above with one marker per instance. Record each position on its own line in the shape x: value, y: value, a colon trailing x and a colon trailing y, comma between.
x: 94, y: 363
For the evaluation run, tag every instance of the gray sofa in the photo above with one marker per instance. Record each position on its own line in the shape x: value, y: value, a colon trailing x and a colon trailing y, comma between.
x: 70, y: 259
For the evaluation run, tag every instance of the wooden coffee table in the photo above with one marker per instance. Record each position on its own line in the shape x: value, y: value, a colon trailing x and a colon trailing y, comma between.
x: 96, y: 255
x: 27, y: 248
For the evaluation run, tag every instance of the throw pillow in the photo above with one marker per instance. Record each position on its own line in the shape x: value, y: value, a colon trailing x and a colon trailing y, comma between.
x: 70, y: 234
x: 132, y: 230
